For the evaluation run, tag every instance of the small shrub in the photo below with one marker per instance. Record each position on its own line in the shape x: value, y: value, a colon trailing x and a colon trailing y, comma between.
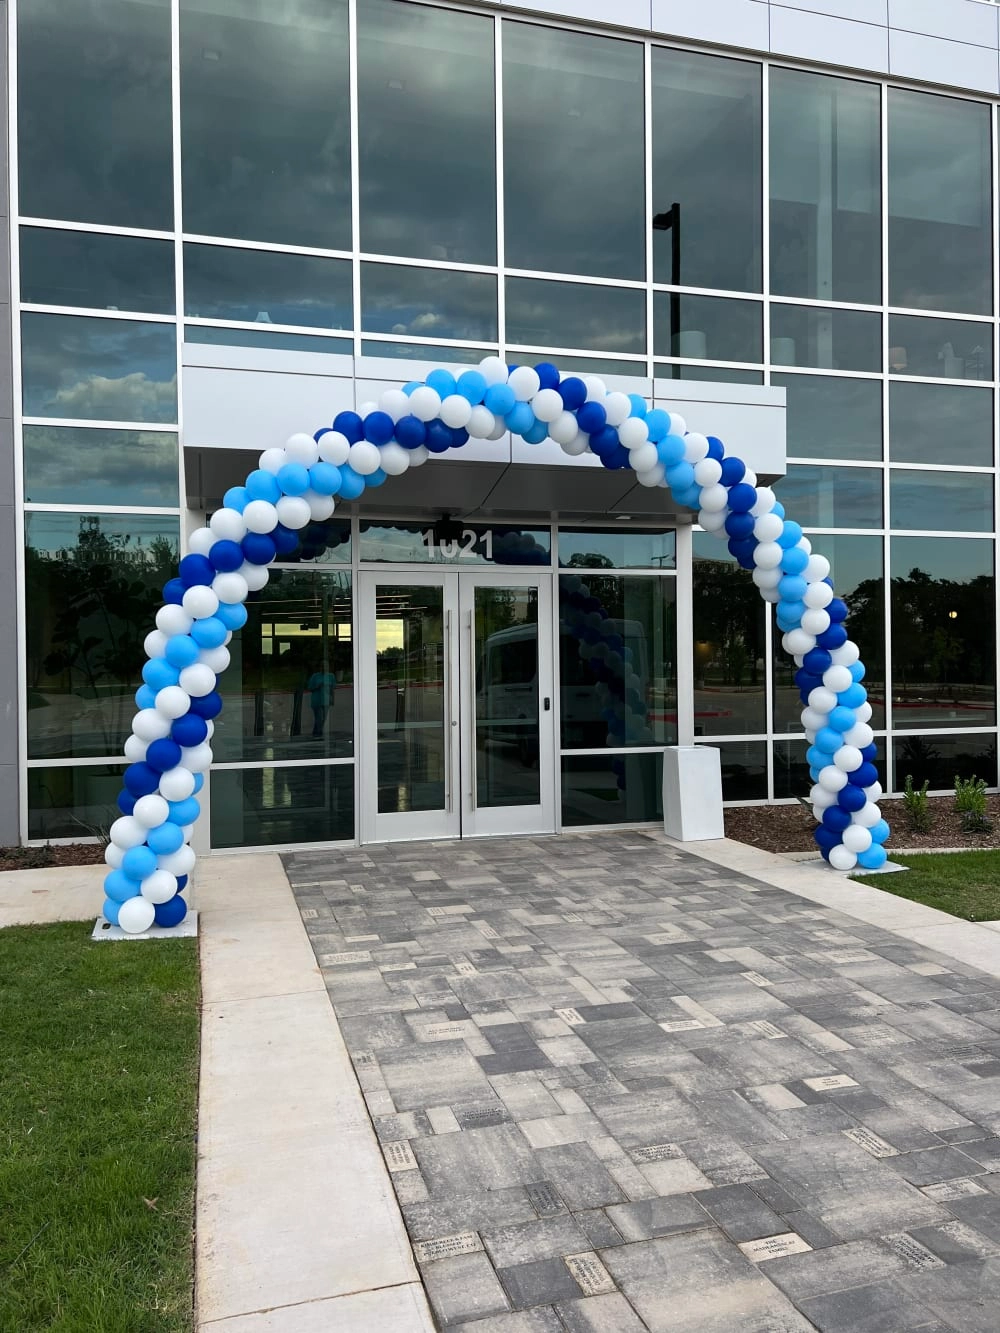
x: 975, y: 823
x: 916, y: 806
x: 28, y: 858
x: 970, y: 796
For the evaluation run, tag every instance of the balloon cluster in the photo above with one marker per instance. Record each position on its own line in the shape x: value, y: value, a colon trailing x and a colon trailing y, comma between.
x: 169, y: 750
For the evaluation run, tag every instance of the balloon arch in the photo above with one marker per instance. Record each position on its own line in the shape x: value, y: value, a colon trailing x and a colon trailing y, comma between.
x: 150, y: 854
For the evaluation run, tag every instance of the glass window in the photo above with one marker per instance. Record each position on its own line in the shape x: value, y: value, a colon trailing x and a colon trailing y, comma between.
x: 832, y: 497
x: 261, y: 807
x: 826, y: 190
x: 940, y: 423
x: 428, y: 303
x: 576, y: 315
x: 707, y: 328
x: 940, y: 759
x: 728, y: 646
x: 707, y: 191
x: 940, y: 222
x: 791, y: 773
x: 611, y: 789
x: 856, y: 567
x: 93, y: 588
x: 708, y: 374
x: 416, y: 65
x: 582, y: 365
x: 84, y: 465
x: 956, y: 501
x: 951, y: 349
x: 454, y: 542
x: 322, y: 543
x: 289, y: 689
x: 265, y: 120
x: 618, y: 687
x: 282, y: 342
x: 826, y: 338
x: 80, y: 268
x: 943, y: 633
x: 832, y: 417
x: 570, y: 98
x: 744, y: 770
x: 267, y: 287
x: 439, y: 353
x: 95, y: 140
x: 616, y: 548
x: 98, y: 369
x: 73, y: 802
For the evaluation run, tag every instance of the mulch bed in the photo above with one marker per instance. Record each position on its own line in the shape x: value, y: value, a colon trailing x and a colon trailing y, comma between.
x: 788, y: 828
x: 35, y: 858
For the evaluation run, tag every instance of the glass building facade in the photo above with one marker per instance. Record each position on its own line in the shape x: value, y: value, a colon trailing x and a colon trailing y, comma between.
x: 426, y: 182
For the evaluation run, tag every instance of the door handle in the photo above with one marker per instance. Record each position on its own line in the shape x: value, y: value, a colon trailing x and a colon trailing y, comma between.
x: 448, y: 719
x: 472, y: 760
x: 546, y: 703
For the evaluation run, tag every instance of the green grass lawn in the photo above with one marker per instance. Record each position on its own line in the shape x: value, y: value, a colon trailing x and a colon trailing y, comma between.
x: 98, y: 1089
x: 966, y: 884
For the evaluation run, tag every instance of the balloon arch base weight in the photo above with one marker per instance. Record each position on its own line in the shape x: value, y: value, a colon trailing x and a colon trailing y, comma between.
x: 817, y: 863
x: 188, y: 929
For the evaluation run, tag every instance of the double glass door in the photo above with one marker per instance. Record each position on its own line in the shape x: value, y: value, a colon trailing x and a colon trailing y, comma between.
x: 457, y: 734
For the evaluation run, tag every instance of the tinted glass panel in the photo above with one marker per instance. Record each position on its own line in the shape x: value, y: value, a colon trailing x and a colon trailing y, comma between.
x: 259, y: 807
x: 573, y: 314
x: 84, y: 466
x: 729, y: 654
x: 943, y: 639
x: 420, y: 352
x: 830, y: 417
x: 93, y: 588
x: 707, y: 328
x: 283, y: 342
x: 507, y: 706
x: 945, y: 501
x: 460, y: 544
x: 707, y: 190
x: 709, y: 374
x: 95, y: 139
x: 428, y: 303
x: 611, y: 789
x: 832, y: 497
x: 951, y: 349
x: 856, y: 566
x: 791, y: 773
x: 620, y: 548
x: 582, y: 365
x: 827, y: 338
x: 573, y: 98
x: 940, y: 759
x: 416, y: 65
x: 744, y: 770
x: 326, y: 543
x: 940, y: 423
x: 826, y: 190
x: 626, y: 694
x: 266, y: 287
x: 289, y: 689
x: 98, y: 369
x: 939, y: 203
x: 73, y: 802
x: 93, y: 269
x: 265, y: 118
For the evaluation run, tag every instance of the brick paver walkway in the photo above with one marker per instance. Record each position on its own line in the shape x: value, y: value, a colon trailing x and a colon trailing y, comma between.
x: 621, y: 1089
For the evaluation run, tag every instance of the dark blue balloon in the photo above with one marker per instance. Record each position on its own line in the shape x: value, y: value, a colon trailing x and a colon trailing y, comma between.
x: 173, y: 592
x: 196, y: 569
x: 207, y: 705
x: 733, y: 471
x: 807, y: 679
x: 825, y: 837
x: 411, y: 432
x: 379, y: 426
x: 189, y: 730
x: 350, y: 425
x: 573, y: 392
x: 716, y: 449
x: 837, y: 610
x: 740, y: 525
x: 592, y: 418
x: 258, y: 548
x: 172, y: 912
x: 869, y: 753
x: 817, y: 660
x: 181, y: 882
x: 742, y: 498
x: 743, y: 551
x: 851, y: 798
x: 548, y: 375
x: 833, y: 637
x: 438, y: 437
x: 225, y: 556
x: 604, y: 441
x: 163, y: 754
x: 141, y: 779
x: 836, y: 819
x: 863, y: 776
x: 126, y: 802
x: 286, y: 540
x: 460, y: 436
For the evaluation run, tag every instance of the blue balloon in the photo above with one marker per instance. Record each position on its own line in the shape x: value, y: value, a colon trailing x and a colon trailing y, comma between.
x: 181, y: 650
x: 286, y: 540
x: 790, y: 612
x: 125, y: 802
x: 158, y: 673
x: 842, y: 719
x: 658, y: 425
x: 548, y: 375
x: 792, y: 588
x: 851, y: 798
x: 165, y: 838
x: 163, y: 754
x: 853, y: 697
x: 145, y: 697
x: 778, y: 509
x: 816, y: 758
x: 874, y: 858
x: 208, y: 633
x: 639, y: 406
x: 670, y: 450
x: 324, y: 478
x: 375, y: 478
x: 880, y: 831
x: 716, y: 449
x: 199, y: 782
x: 794, y: 560
x: 816, y: 660
x: 351, y: 484
x: 742, y: 498
x: 833, y: 637
x: 857, y: 670
x: 835, y: 819
x: 604, y: 441
x: 110, y: 911
x: 472, y: 386
x: 226, y: 556
x: 499, y: 398
x: 825, y: 837
x: 379, y: 426
x: 592, y: 418
x: 259, y: 548
x: 438, y: 438
x: 188, y: 730
x: 138, y: 862
x: 459, y: 436
x: 195, y: 570
x: 520, y: 418
x: 573, y: 392
x: 680, y: 476
x: 742, y: 525
x: 791, y: 534
x: 293, y: 479
x: 442, y: 382
x: 184, y: 812
x: 411, y: 432
x: 172, y: 912
x: 538, y: 432
x: 207, y: 705
x: 733, y: 471
x: 837, y: 610
x: 119, y: 887
x: 173, y: 592
x: 829, y: 740
x: 237, y: 497
x: 863, y: 776
x: 263, y: 485
x: 350, y: 425
x: 232, y: 614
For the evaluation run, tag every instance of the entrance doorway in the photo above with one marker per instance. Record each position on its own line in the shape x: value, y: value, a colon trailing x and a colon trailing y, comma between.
x: 457, y: 704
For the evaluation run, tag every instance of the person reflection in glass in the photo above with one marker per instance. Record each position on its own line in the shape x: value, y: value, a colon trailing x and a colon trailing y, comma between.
x: 321, y: 686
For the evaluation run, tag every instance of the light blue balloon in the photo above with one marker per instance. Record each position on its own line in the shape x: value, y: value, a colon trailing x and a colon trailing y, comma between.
x: 792, y: 588
x: 658, y: 423
x: 680, y: 476
x: 442, y: 382
x: 182, y: 651
x: 138, y: 862
x: 110, y: 911
x: 119, y: 887
x: 165, y: 838
x: 209, y: 632
x: 232, y: 614
x: 184, y: 812
x: 199, y: 782
x: 520, y: 418
x: 538, y: 432
x: 472, y: 386
x: 376, y: 478
x: 794, y: 560
x: 324, y: 478
x: 237, y: 497
x: 791, y: 534
x: 792, y: 612
x: 263, y: 485
x: 857, y: 670
x: 842, y: 719
x: 158, y: 674
x: 670, y: 450
x: 639, y: 405
x: 880, y: 831
x: 351, y: 484
x: 829, y: 740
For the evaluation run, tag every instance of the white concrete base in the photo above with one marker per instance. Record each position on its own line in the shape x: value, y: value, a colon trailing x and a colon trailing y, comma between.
x: 188, y: 929
x: 692, y: 793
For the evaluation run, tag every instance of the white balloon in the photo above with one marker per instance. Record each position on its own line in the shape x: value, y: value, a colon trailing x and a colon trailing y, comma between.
x: 151, y: 811
x: 200, y: 601
x: 149, y: 725
x: 456, y: 411
x: 832, y: 778
x: 766, y: 500
x: 127, y: 832
x: 334, y: 447
x: 768, y: 555
x: 364, y: 457
x: 766, y: 578
x: 597, y: 390
x: 821, y: 797
x: 860, y: 735
x: 481, y: 422
x: 653, y: 477
x: 272, y: 460
x: 864, y: 712
x: 301, y: 448
x: 180, y: 862
x: 868, y: 816
x: 210, y: 723
x: 367, y: 408
x: 159, y: 887
x: 842, y: 858
x: 632, y: 433
x: 771, y: 595
x: 874, y: 792
x: 493, y: 370
x: 173, y: 619
x: 813, y: 719
x: 177, y: 784
x: 419, y: 456
x: 425, y: 403
x: 525, y: 383
x: 198, y: 758
x: 255, y: 576
x: 216, y: 659
x: 815, y: 622
x: 837, y: 679
x: 618, y: 407
x: 565, y: 428
x: 172, y: 701
x: 136, y: 915
x: 228, y: 525
x: 823, y: 700
x: 856, y: 838
x: 678, y: 426
x: 708, y: 472
x: 394, y: 459
x: 260, y: 516
x: 695, y: 447
x: 499, y: 430
x: 714, y: 499
x: 818, y: 595
x: 768, y: 528
x: 848, y: 758
x: 201, y: 541
x: 155, y: 642
x: 196, y: 680
x: 134, y: 750
x: 230, y: 588
x: 797, y: 641
x: 817, y: 569
x: 394, y: 403
x: 293, y: 512
x: 114, y: 856
x: 547, y: 405
x: 643, y: 458
x: 714, y: 523
x: 846, y: 655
